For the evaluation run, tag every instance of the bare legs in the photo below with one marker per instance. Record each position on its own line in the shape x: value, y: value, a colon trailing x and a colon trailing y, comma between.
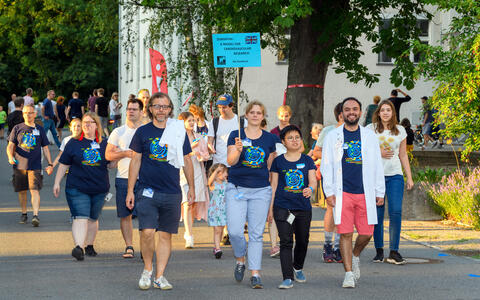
x: 217, y: 236
x: 346, y: 248
x: 162, y: 250
x: 84, y: 231
x: 35, y: 200
x: 127, y: 230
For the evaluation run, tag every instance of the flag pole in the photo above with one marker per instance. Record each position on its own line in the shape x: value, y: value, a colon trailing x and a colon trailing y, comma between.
x: 238, y: 101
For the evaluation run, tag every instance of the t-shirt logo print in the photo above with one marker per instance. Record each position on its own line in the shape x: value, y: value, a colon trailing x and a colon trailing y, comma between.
x: 158, y: 152
x: 354, y: 152
x: 29, y: 141
x: 294, y: 181
x: 91, y: 157
x: 254, y: 157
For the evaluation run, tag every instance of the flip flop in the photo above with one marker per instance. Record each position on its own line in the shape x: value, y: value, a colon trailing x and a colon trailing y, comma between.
x: 129, y: 254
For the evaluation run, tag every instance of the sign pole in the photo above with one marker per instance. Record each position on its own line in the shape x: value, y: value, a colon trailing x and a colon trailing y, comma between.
x: 238, y: 101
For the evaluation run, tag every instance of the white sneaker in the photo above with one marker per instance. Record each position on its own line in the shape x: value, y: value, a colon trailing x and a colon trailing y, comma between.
x: 162, y: 283
x: 356, y: 267
x: 145, y: 280
x: 349, y: 281
x: 188, y: 241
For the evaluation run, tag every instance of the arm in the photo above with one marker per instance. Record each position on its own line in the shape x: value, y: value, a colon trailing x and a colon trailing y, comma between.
x: 234, y: 152
x: 67, y: 113
x: 133, y: 171
x: 211, y: 148
x: 48, y: 157
x: 273, y: 184
x: 62, y: 169
x: 43, y: 112
x: 402, y: 154
x: 55, y: 111
x: 188, y: 171
x: 312, y: 184
x: 317, y: 152
x: 113, y: 153
x: 211, y: 179
x: 96, y: 108
x: 55, y: 162
x: 11, y: 153
x: 270, y: 159
x: 83, y: 110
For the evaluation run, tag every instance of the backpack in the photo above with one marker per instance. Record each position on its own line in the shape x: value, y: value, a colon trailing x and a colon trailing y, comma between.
x: 215, y: 123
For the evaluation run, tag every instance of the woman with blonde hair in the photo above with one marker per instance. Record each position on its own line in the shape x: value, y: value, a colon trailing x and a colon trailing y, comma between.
x: 393, y: 146
x: 87, y: 183
x: 284, y: 113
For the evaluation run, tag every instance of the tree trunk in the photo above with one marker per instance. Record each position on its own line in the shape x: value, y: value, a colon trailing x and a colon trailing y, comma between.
x: 306, y: 102
x: 192, y: 58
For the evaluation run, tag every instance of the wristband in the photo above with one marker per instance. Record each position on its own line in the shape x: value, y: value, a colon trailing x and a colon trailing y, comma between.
x: 50, y: 165
x: 311, y: 188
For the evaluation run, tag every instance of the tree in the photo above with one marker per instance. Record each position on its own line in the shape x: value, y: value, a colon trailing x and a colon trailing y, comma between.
x: 58, y: 44
x: 455, y: 67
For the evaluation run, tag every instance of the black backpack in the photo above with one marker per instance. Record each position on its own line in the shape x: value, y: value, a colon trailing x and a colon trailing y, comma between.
x: 215, y: 123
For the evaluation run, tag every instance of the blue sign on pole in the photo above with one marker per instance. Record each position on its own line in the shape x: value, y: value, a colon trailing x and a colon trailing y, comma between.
x: 236, y: 50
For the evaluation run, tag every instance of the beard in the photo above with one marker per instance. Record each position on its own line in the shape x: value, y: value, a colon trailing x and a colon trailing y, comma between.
x: 160, y: 118
x: 351, y: 122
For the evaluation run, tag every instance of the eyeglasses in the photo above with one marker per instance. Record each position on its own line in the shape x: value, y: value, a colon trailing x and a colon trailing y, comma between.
x: 293, y: 138
x: 159, y: 106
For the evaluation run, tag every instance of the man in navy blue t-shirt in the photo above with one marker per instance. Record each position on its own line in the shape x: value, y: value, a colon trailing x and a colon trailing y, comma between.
x: 158, y: 199
x: 24, y: 151
x: 75, y: 107
x: 48, y: 116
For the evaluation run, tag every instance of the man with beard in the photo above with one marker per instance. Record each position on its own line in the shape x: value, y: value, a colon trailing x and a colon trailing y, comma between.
x: 353, y: 182
x: 159, y: 148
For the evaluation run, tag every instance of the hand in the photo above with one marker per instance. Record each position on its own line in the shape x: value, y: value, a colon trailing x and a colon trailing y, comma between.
x: 331, y: 200
x: 191, y: 195
x: 409, y: 184
x: 386, y: 153
x: 270, y: 216
x: 128, y: 153
x: 307, y: 192
x: 56, y: 190
x: 49, y: 170
x: 194, y: 143
x: 380, y: 201
x: 211, y: 149
x: 238, y: 144
x: 130, y: 200
x: 12, y: 161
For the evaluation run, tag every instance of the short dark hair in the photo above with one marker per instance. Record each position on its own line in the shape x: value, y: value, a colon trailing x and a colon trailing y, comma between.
x: 135, y: 100
x: 351, y: 98
x: 406, y: 123
x: 424, y: 98
x: 100, y: 91
x: 159, y: 95
x: 394, y: 93
x: 18, y: 102
x: 337, y: 111
x: 288, y: 129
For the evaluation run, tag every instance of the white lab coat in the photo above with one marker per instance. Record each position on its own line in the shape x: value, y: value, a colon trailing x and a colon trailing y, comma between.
x: 372, y: 170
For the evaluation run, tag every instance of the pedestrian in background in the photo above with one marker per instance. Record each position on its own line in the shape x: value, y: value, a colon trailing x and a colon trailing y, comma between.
x: 16, y: 116
x: 92, y: 100
x: 3, y: 120
x: 62, y: 117
x: 48, y: 113
x: 371, y: 108
x: 101, y: 108
x: 75, y: 107
x: 115, y: 114
x: 284, y: 114
x: 217, y: 214
x: 410, y: 134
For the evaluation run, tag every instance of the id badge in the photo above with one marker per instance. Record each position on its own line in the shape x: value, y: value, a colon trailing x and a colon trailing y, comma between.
x: 291, y: 218
x: 300, y: 166
x: 94, y: 145
x: 36, y: 132
x: 108, y: 197
x: 147, y: 192
x: 247, y: 142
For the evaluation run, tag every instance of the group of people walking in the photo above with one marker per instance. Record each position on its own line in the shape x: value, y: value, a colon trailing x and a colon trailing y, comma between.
x: 254, y: 178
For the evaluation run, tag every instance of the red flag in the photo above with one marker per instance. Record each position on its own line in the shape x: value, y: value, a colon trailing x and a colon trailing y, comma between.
x: 159, y: 72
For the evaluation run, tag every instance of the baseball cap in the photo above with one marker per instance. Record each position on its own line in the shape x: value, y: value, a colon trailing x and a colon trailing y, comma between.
x: 224, y: 99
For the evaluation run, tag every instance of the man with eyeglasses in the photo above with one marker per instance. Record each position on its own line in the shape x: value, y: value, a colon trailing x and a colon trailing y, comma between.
x: 118, y: 149
x: 158, y: 197
x: 24, y: 151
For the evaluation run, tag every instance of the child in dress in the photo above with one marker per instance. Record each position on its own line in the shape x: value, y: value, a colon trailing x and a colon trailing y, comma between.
x: 217, y: 216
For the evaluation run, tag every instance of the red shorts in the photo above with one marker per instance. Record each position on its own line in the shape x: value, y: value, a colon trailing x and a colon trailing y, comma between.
x: 354, y: 211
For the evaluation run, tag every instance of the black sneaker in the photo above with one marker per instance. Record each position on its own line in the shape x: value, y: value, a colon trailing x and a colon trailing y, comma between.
x: 23, y: 219
x: 35, y: 221
x: 379, y: 257
x: 77, y: 252
x: 256, y: 282
x: 90, y: 251
x: 337, y: 256
x: 225, y: 240
x: 396, y: 258
x: 239, y: 272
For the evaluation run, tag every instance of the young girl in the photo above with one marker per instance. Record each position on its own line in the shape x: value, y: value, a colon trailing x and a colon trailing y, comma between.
x: 217, y: 215
x: 293, y: 182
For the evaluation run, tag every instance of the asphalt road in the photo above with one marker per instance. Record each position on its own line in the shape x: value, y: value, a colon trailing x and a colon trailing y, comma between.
x: 36, y: 263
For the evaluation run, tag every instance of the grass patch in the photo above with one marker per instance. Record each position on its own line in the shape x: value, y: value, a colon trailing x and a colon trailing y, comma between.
x: 476, y: 256
x: 420, y: 236
x: 464, y: 240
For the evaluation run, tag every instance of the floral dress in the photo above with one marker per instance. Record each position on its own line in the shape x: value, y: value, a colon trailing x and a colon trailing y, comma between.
x: 217, y: 214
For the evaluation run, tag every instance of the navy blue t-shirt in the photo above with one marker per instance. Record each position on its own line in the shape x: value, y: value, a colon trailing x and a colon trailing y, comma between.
x: 251, y: 170
x: 155, y: 171
x: 292, y: 179
x: 352, y: 162
x: 88, y: 167
x: 48, y: 108
x: 75, y: 108
x: 29, y: 142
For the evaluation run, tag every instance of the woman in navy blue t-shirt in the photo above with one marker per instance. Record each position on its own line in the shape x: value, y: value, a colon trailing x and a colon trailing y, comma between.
x: 248, y: 192
x: 87, y: 183
x: 293, y: 182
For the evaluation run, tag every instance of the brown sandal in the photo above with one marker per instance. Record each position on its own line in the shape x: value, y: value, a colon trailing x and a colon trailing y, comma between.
x: 129, y: 252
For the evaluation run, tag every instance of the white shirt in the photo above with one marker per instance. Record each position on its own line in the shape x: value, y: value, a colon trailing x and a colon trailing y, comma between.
x: 391, y: 166
x: 225, y: 127
x: 28, y: 100
x: 121, y: 137
x: 64, y: 142
x: 11, y: 106
x: 113, y: 108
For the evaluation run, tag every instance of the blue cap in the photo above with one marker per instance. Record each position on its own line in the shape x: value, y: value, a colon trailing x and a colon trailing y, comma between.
x: 225, y: 99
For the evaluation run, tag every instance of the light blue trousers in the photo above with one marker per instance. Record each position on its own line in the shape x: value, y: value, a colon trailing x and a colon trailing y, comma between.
x: 247, y: 205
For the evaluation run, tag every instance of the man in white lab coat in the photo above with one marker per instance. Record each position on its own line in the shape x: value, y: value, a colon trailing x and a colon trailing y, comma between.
x: 354, y: 184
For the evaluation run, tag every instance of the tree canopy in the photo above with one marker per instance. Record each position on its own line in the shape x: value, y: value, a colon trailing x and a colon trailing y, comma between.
x: 64, y: 45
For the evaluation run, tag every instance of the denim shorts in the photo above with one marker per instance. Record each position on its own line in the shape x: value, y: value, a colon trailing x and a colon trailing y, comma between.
x: 85, y: 206
x: 121, y: 189
x: 160, y: 212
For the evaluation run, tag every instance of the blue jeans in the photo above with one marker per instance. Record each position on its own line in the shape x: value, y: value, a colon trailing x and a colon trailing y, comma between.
x: 50, y: 125
x: 84, y: 206
x: 247, y: 205
x: 394, y: 194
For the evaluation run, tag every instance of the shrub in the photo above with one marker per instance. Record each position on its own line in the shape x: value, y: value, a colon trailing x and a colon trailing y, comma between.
x: 457, y: 196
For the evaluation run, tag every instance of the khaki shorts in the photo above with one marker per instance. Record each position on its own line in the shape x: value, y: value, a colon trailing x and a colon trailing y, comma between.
x: 24, y: 180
